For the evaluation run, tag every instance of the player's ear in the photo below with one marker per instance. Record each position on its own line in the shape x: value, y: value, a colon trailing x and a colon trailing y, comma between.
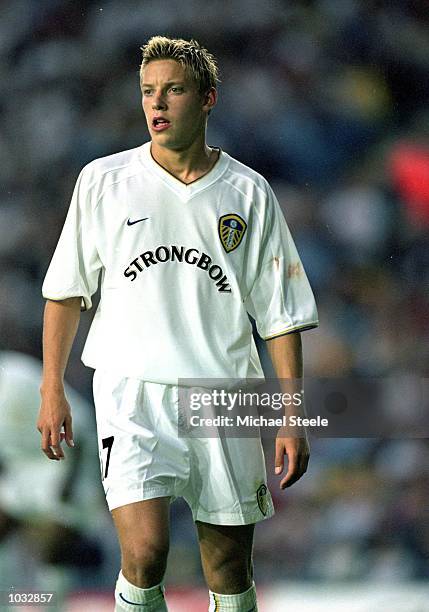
x: 209, y: 99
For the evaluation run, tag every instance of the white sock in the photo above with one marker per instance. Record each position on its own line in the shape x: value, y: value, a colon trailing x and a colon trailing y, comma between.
x: 240, y: 602
x: 130, y: 598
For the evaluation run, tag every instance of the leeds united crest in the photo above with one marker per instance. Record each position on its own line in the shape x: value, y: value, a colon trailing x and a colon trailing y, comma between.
x: 231, y: 231
x: 261, y: 496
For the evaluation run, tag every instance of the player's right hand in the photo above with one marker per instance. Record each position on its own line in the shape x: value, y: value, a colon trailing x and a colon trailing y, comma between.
x: 55, y: 424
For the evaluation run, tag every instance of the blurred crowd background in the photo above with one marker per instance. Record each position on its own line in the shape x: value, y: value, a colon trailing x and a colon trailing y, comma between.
x: 329, y: 101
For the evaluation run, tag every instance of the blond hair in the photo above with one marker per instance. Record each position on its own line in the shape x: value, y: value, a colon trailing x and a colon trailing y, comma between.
x: 200, y: 64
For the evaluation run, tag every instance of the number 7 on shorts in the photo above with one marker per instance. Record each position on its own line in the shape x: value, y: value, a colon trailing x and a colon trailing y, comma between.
x: 106, y: 443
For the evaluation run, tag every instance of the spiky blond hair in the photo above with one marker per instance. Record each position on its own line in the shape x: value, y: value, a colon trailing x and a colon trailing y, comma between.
x: 190, y: 54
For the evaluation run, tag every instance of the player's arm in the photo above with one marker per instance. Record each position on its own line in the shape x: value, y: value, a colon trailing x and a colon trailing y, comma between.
x: 61, y: 320
x: 286, y: 355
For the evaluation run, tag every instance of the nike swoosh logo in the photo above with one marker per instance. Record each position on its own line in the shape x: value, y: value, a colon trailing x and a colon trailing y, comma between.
x: 129, y: 222
x: 130, y: 602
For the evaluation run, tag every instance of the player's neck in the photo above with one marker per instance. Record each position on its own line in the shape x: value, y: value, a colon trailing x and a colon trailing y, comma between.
x: 186, y: 165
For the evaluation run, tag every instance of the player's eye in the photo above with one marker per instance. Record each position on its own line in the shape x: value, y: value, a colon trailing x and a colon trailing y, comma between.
x: 176, y: 89
x: 147, y: 92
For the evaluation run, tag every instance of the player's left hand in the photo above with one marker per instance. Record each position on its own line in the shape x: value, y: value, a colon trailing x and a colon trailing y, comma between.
x: 298, y: 455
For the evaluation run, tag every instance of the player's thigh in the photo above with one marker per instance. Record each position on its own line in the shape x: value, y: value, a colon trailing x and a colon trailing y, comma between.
x: 143, y: 526
x: 225, y: 546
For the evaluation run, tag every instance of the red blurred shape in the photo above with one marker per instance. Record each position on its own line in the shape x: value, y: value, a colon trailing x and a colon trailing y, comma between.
x: 409, y: 170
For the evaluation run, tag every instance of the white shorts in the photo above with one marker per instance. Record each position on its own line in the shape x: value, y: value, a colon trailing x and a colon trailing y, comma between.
x: 223, y: 480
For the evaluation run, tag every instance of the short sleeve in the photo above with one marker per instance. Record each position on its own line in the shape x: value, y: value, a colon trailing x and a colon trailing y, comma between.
x: 75, y: 265
x: 281, y: 300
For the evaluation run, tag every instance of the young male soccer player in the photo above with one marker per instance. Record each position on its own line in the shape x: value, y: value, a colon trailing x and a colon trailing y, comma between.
x: 188, y: 241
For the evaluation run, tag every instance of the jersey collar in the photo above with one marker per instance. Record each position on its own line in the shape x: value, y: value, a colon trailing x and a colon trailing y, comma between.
x: 185, y: 191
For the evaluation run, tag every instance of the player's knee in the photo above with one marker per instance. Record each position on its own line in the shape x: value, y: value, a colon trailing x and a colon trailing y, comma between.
x: 144, y: 562
x: 228, y: 571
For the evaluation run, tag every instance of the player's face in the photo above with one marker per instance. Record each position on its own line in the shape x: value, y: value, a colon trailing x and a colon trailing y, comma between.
x: 175, y: 111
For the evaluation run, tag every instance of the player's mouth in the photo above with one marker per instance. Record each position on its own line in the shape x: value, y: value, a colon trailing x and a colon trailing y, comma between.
x: 159, y: 124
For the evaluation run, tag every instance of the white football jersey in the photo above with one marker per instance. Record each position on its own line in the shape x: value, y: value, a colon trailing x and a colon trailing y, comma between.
x: 31, y: 487
x: 182, y: 266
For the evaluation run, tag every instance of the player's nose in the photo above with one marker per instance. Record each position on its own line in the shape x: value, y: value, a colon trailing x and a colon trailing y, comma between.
x: 158, y: 102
